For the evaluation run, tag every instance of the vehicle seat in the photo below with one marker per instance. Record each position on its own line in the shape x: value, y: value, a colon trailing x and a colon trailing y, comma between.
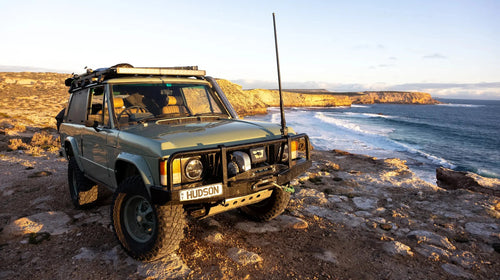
x: 118, y: 104
x: 175, y: 106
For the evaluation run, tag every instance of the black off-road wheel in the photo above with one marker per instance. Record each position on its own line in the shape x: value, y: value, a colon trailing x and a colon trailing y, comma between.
x: 146, y: 231
x: 83, y: 192
x: 269, y: 208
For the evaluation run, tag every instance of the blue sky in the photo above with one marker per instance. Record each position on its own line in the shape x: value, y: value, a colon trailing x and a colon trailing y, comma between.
x: 448, y: 48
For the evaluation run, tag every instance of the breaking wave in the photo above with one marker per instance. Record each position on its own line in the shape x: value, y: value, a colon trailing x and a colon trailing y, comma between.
x: 461, y: 105
x: 458, y: 136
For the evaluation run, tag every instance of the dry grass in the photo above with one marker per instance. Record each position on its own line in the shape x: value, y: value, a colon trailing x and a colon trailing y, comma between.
x: 27, y: 111
x: 17, y: 144
x: 40, y: 143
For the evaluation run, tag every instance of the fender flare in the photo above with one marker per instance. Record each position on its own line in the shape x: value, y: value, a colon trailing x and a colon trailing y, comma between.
x: 141, y: 166
x: 74, y: 149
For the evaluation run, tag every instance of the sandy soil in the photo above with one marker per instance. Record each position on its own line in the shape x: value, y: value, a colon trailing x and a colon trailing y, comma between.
x: 351, y: 217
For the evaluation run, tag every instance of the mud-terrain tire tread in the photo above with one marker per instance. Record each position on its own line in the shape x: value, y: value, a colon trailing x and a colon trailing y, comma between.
x: 87, y: 191
x: 269, y: 208
x: 170, y: 226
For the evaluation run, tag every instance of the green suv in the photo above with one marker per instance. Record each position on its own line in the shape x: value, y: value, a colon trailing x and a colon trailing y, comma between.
x: 169, y: 145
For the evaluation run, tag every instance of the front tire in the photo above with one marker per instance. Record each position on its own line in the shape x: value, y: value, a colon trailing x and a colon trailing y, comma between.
x: 146, y: 231
x: 83, y: 192
x: 269, y: 208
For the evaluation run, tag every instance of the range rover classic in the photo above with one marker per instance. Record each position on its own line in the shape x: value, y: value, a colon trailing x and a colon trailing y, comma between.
x: 169, y: 145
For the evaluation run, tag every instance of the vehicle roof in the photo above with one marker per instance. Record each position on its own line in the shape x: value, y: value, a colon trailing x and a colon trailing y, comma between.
x: 173, y: 80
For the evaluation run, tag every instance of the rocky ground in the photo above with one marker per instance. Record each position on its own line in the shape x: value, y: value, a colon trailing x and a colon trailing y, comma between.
x: 351, y: 217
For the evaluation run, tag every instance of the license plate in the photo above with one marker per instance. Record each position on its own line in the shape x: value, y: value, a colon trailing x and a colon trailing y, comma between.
x: 201, y: 192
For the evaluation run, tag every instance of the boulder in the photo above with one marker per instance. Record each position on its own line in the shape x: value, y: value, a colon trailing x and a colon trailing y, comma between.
x: 397, y: 248
x: 431, y: 238
x: 452, y: 180
x: 365, y: 203
x: 483, y: 229
x: 432, y: 252
x: 54, y: 223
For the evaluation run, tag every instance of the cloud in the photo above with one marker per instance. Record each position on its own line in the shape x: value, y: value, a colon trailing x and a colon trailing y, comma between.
x: 483, y: 90
x: 434, y: 56
x: 419, y: 86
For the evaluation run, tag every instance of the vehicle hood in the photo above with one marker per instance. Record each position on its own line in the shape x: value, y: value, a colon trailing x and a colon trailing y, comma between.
x: 205, y: 134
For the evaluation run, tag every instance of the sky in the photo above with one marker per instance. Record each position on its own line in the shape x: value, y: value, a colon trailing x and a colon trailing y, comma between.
x: 449, y: 48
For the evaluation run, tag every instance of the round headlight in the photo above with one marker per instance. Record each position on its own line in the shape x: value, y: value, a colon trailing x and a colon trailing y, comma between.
x: 194, y: 169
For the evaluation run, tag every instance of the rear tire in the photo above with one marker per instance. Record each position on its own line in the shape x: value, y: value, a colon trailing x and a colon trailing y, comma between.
x: 83, y: 192
x: 146, y: 231
x: 269, y: 208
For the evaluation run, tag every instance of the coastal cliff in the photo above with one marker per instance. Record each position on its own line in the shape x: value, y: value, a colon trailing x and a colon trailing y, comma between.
x: 245, y: 104
x: 297, y: 99
x: 395, y: 97
x: 255, y: 101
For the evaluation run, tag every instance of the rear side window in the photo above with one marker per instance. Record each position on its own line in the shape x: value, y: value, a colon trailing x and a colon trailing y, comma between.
x: 98, y: 109
x: 77, y: 107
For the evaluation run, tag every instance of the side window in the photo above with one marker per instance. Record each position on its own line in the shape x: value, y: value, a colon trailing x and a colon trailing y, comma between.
x: 98, y: 106
x: 76, y: 109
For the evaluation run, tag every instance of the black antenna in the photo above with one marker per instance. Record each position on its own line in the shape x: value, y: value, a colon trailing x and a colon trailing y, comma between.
x: 284, y: 130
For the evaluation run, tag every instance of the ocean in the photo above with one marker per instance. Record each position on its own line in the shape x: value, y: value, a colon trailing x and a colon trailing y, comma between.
x: 463, y: 135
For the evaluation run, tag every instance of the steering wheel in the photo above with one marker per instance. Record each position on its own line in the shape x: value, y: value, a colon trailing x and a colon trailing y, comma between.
x: 128, y: 111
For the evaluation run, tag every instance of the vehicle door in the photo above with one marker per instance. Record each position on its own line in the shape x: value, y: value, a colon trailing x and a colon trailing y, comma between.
x: 95, y: 136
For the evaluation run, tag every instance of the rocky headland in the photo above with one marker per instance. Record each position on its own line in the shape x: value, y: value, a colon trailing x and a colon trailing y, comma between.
x: 351, y: 217
x: 255, y: 101
x: 393, y: 97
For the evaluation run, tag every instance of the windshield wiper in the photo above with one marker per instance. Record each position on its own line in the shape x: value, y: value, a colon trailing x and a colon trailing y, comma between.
x: 216, y: 115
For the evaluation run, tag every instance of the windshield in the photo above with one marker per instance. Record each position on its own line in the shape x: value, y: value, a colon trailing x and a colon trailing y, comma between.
x: 135, y: 102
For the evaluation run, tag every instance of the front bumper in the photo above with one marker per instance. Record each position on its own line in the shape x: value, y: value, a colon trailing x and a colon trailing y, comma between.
x: 247, y: 185
x: 258, y: 178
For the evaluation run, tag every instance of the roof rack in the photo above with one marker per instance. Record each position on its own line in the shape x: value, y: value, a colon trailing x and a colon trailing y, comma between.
x: 125, y: 69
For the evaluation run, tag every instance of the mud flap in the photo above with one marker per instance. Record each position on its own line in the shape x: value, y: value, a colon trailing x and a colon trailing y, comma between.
x: 88, y: 197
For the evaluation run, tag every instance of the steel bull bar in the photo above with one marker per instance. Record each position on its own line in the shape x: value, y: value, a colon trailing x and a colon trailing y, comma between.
x: 245, y: 188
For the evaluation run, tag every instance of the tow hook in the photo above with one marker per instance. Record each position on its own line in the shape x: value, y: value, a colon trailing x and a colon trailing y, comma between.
x: 289, y: 188
x: 271, y: 181
x: 264, y: 183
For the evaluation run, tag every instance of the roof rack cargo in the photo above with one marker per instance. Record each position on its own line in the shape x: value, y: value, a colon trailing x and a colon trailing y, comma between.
x: 124, y: 69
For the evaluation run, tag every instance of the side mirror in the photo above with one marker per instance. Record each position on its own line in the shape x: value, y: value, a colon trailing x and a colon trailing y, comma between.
x: 91, y: 123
